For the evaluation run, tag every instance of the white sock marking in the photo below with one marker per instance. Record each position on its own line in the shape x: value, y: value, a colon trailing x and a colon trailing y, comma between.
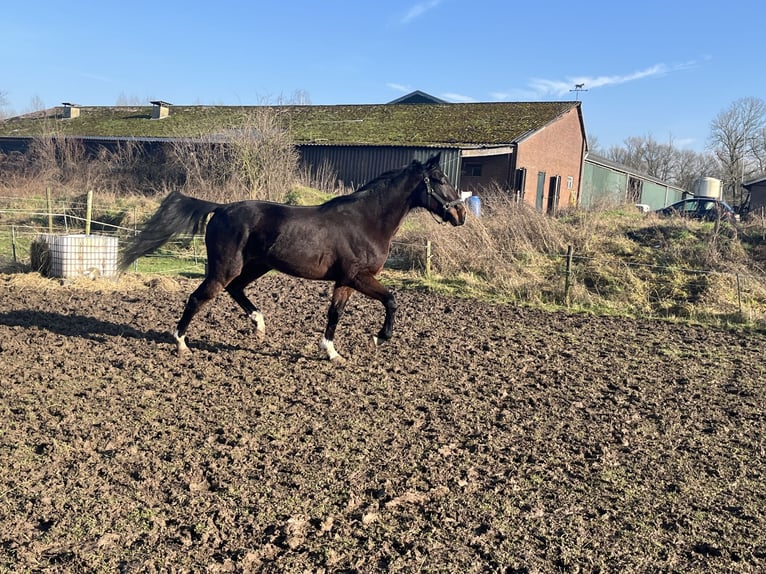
x: 181, y: 342
x: 329, y: 348
x: 257, y: 318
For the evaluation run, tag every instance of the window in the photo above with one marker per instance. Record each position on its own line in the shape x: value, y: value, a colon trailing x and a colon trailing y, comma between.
x: 691, y: 206
x: 570, y: 182
x: 472, y: 169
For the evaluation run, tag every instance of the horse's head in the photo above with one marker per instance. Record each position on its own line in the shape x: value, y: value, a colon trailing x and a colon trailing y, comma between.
x: 437, y: 194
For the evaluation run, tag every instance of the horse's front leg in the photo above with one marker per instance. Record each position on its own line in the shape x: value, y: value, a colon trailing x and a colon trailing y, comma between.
x: 340, y: 296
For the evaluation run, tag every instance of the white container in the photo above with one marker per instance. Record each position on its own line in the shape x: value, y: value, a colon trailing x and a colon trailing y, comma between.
x: 708, y: 187
x: 82, y: 255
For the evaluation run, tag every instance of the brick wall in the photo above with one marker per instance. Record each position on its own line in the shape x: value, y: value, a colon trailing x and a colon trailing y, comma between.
x: 557, y: 149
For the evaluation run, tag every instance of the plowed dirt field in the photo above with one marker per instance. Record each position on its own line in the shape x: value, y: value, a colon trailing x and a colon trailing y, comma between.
x: 482, y: 438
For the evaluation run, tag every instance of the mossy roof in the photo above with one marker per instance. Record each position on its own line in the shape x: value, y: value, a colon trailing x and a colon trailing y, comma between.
x: 483, y: 124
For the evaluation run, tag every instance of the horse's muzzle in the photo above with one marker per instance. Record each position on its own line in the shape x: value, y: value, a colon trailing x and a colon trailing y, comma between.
x: 456, y: 215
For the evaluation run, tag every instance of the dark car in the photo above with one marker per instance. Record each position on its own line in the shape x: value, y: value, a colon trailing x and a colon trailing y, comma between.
x: 702, y: 208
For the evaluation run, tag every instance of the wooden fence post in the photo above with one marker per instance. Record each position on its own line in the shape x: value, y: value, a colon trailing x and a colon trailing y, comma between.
x: 739, y: 295
x: 50, y: 209
x: 88, y: 211
x: 13, y: 244
x: 428, y: 258
x: 568, y: 276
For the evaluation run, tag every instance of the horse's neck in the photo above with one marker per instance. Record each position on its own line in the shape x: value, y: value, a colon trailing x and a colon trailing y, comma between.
x: 394, y: 204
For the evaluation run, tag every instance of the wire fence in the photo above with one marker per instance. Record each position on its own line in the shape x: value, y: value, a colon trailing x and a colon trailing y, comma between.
x: 570, y: 277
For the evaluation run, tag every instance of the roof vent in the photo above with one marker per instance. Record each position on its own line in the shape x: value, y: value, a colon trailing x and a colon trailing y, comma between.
x: 160, y: 109
x: 70, y: 110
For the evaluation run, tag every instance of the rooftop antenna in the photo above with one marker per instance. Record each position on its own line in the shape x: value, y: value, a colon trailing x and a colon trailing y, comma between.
x: 577, y: 89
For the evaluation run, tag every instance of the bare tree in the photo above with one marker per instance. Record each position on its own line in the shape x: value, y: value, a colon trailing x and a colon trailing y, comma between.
x: 659, y: 158
x: 594, y: 146
x: 691, y: 165
x: 125, y: 100
x: 628, y: 154
x: 757, y: 149
x: 735, y: 135
x: 647, y: 155
x: 666, y: 162
x: 36, y: 104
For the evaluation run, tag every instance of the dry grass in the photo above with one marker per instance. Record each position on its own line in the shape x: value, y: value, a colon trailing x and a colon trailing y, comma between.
x: 127, y: 282
x: 257, y: 160
x: 623, y: 262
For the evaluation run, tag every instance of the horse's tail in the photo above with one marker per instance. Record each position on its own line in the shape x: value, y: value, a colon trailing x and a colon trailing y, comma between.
x: 176, y: 215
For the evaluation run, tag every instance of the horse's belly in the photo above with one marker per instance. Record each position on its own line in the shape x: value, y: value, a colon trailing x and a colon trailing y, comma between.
x: 309, y: 267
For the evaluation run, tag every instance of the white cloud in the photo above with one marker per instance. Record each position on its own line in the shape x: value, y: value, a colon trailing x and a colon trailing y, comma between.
x: 419, y: 9
x: 541, y: 87
x: 459, y: 98
x: 685, y: 143
x: 399, y: 87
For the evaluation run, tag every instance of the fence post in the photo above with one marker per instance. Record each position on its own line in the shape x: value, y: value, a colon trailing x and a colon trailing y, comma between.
x: 568, y: 276
x: 739, y: 295
x: 13, y: 244
x: 50, y: 209
x: 428, y: 258
x: 135, y: 232
x: 88, y: 211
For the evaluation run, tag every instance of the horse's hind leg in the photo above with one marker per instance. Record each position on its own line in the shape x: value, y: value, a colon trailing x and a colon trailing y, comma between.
x: 237, y: 291
x: 340, y: 296
x: 368, y: 285
x: 204, y: 293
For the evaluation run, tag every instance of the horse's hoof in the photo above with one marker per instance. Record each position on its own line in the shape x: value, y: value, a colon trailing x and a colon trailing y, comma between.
x: 338, y: 361
x: 181, y: 348
x: 329, y: 348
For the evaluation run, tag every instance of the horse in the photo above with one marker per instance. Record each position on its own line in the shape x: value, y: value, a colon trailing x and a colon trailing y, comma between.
x: 345, y: 240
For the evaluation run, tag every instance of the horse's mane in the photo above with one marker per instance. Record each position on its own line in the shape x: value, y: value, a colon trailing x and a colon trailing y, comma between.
x: 382, y: 180
x: 380, y: 183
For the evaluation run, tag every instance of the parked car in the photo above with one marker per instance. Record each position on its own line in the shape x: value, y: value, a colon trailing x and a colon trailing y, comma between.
x: 703, y: 208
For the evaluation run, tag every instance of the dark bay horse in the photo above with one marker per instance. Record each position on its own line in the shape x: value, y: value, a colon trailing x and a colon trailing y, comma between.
x: 345, y: 240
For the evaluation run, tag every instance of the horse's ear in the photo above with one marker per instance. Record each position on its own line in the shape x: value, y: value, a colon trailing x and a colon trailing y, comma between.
x: 433, y: 161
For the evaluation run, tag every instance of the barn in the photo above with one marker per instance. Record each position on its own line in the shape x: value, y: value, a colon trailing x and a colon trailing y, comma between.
x: 606, y: 183
x: 532, y: 150
x: 757, y: 190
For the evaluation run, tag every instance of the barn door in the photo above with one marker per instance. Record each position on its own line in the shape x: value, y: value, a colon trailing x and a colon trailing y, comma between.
x: 553, y: 194
x: 540, y: 190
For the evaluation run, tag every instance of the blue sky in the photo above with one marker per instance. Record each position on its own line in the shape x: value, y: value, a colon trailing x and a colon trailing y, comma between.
x: 663, y: 69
